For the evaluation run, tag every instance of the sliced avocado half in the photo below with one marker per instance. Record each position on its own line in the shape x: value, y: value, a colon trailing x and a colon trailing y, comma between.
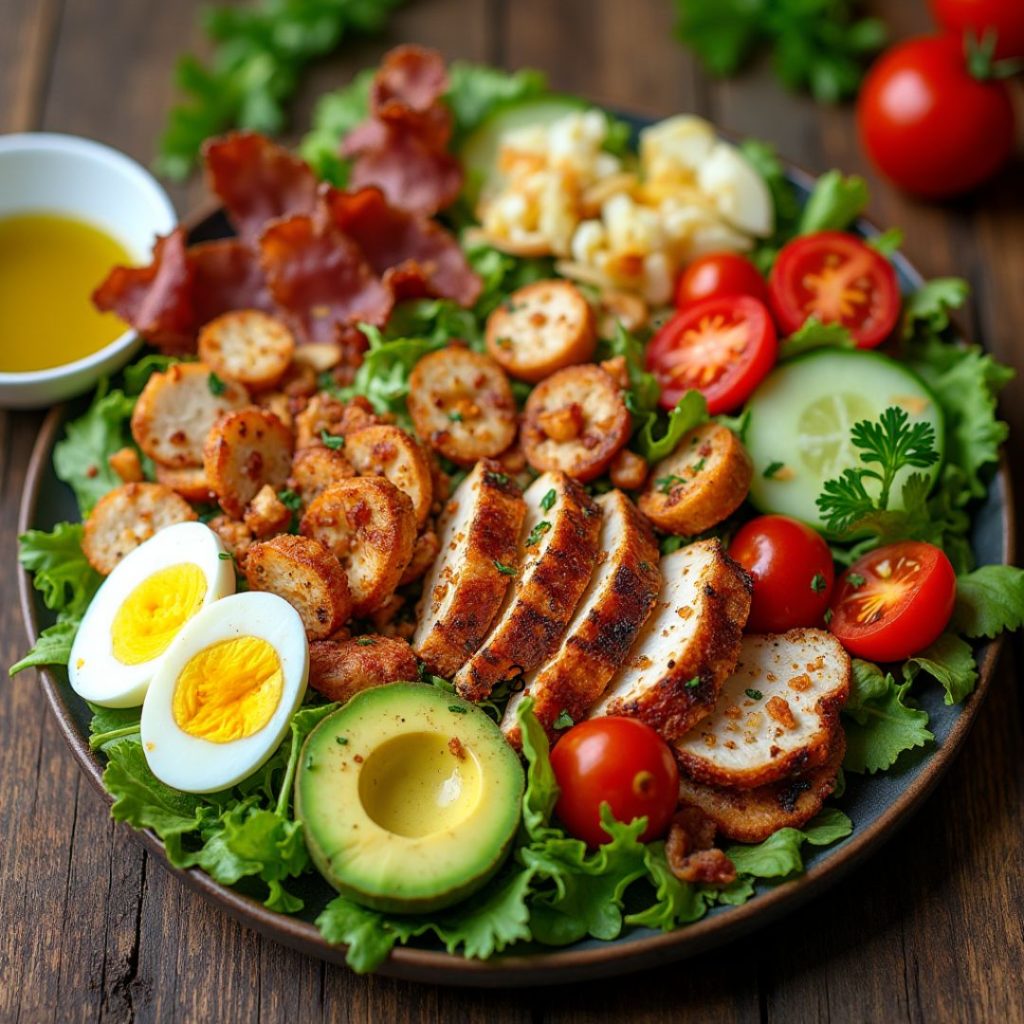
x: 409, y: 796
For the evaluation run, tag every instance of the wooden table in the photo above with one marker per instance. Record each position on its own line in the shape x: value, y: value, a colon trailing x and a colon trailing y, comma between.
x: 92, y: 929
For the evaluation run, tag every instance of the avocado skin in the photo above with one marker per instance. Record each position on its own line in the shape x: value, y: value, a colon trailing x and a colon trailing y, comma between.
x: 471, y: 853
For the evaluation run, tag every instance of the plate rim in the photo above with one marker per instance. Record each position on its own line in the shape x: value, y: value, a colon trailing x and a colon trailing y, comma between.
x: 562, y: 965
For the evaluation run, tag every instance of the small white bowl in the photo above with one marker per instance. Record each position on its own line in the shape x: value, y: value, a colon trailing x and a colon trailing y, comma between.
x: 42, y: 172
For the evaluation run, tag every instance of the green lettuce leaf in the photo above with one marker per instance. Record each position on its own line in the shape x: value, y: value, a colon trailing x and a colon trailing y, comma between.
x: 334, y: 116
x: 814, y: 334
x: 691, y: 410
x: 80, y: 458
x: 878, y: 722
x: 61, y: 572
x: 887, y: 243
x: 834, y: 204
x: 779, y: 855
x: 928, y: 308
x: 950, y: 661
x: 53, y: 647
x: 476, y: 90
x: 109, y: 725
x: 989, y: 601
x: 676, y: 902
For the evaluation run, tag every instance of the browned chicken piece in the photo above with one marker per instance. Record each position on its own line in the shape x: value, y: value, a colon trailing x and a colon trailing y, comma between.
x: 701, y: 483
x: 776, y: 714
x: 388, y: 451
x: 249, y: 346
x: 369, y: 525
x: 176, y: 410
x: 245, y: 451
x: 557, y: 557
x: 479, y: 536
x: 615, y: 605
x: 339, y: 669
x: 752, y: 815
x: 424, y: 551
x: 674, y: 673
x: 316, y: 468
x: 188, y: 481
x: 126, y: 517
x: 307, y: 576
x: 575, y: 422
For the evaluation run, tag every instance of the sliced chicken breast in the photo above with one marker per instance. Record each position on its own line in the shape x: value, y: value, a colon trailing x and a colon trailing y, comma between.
x: 776, y: 714
x: 688, y: 647
x: 614, y: 606
x: 479, y: 537
x: 752, y: 815
x: 557, y: 556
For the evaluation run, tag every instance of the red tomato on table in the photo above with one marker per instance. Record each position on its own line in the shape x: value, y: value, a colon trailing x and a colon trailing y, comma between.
x: 721, y: 347
x: 928, y: 124
x: 894, y: 601
x: 719, y: 274
x: 836, y: 278
x: 792, y: 570
x: 1003, y: 17
x: 618, y: 761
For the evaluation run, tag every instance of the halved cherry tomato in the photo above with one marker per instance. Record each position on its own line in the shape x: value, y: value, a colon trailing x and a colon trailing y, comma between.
x: 719, y: 274
x: 618, y: 761
x: 894, y: 602
x: 792, y: 570
x: 836, y: 278
x: 720, y: 347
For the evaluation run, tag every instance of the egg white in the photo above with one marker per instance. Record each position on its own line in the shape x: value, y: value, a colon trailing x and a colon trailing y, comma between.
x: 94, y: 671
x: 197, y: 765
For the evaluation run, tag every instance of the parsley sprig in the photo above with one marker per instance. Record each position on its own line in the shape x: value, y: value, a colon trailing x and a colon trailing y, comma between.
x: 891, y: 444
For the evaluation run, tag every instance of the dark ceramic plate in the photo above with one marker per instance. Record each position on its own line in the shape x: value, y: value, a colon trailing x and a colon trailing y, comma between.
x: 878, y: 805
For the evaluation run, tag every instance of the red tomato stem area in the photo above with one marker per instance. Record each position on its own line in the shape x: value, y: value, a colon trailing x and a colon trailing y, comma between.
x: 618, y: 761
x: 721, y: 347
x: 894, y: 601
x: 836, y: 278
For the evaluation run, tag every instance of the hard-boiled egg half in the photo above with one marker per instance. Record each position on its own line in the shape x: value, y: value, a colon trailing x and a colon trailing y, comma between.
x: 224, y: 693
x: 141, y: 607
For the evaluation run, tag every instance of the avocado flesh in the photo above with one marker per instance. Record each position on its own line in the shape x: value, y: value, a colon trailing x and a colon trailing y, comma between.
x: 408, y: 806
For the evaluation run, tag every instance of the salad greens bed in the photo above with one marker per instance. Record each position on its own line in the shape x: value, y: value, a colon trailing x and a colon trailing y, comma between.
x: 553, y: 891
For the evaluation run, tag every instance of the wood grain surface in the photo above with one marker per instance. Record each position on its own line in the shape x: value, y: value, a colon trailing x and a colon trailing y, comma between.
x: 91, y: 929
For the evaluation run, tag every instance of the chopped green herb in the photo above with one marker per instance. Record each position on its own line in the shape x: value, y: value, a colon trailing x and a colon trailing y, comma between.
x: 537, y: 532
x: 754, y: 694
x: 564, y: 720
x: 455, y: 416
x: 505, y: 570
x: 828, y: 616
x: 855, y: 580
x: 224, y: 556
x: 366, y: 641
x: 548, y: 501
x: 771, y: 469
x: 289, y: 499
x: 333, y: 441
x: 697, y: 466
x: 818, y: 583
x: 499, y: 479
x: 457, y: 709
x: 693, y: 683
x: 667, y: 483
x: 215, y: 384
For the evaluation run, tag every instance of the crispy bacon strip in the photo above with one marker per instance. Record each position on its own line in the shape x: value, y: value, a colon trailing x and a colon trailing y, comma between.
x: 319, y: 277
x: 258, y: 181
x: 415, y: 256
x: 691, y: 853
x: 156, y: 299
x: 227, y: 276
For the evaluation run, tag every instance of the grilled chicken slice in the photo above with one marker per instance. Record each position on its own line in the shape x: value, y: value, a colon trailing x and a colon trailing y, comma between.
x: 688, y: 647
x: 614, y: 606
x: 479, y: 534
x: 557, y: 555
x: 776, y: 714
x: 752, y: 815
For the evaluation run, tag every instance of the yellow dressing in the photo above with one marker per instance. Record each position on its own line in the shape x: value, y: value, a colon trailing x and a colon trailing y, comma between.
x: 154, y: 612
x: 49, y: 266
x: 229, y: 690
x: 412, y: 785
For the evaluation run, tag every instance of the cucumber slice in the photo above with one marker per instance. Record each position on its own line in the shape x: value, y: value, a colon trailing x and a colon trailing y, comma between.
x: 479, y: 152
x: 801, y: 415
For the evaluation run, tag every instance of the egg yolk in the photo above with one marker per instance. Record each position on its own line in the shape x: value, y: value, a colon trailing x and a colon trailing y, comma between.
x: 228, y: 691
x: 154, y: 612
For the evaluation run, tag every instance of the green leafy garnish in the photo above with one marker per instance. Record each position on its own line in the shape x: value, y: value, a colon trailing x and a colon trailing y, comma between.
x: 879, y: 724
x: 772, y: 469
x: 834, y: 203
x: 989, y: 601
x: 818, y: 583
x: 332, y: 441
x: 754, y: 694
x: 548, y: 501
x: 779, y: 855
x: 564, y: 720
x: 949, y: 660
x: 505, y: 570
x: 814, y: 334
x: 690, y: 411
x: 886, y: 242
x: 215, y: 384
x: 537, y: 532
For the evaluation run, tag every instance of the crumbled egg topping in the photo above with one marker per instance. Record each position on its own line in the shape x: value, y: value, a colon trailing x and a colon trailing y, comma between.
x: 615, y: 225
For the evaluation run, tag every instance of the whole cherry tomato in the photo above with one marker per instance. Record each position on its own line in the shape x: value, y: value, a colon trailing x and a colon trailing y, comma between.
x: 719, y: 274
x: 894, y: 601
x: 792, y: 570
x: 720, y: 347
x: 1003, y: 17
x: 836, y: 278
x: 929, y: 124
x: 618, y: 761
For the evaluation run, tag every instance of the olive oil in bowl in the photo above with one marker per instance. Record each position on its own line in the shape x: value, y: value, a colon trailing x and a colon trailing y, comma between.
x: 50, y: 263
